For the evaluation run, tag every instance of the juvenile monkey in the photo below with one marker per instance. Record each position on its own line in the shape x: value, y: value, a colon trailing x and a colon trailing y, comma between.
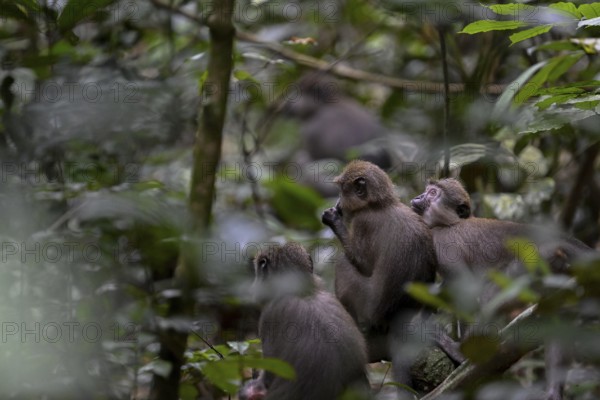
x: 307, y: 327
x: 463, y: 241
x: 385, y: 246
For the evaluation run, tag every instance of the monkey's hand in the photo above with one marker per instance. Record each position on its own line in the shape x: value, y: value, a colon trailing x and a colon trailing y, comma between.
x: 332, y: 218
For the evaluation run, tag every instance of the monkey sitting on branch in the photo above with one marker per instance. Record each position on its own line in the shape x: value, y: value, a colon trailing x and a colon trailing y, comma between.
x: 385, y: 246
x: 465, y: 243
x: 307, y: 327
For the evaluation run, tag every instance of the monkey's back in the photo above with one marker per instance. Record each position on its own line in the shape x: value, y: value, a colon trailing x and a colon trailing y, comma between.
x: 319, y: 338
x: 479, y: 244
x: 396, y: 248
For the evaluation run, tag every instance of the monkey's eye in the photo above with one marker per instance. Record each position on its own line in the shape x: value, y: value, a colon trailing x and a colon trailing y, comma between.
x: 432, y: 192
x: 360, y: 187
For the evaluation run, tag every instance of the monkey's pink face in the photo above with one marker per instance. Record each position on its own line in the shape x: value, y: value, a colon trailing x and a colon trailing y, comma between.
x: 422, y: 202
x: 430, y: 206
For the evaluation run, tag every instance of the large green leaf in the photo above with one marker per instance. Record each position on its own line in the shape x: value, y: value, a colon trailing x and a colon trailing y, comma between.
x: 550, y: 72
x: 564, y: 65
x: 511, y: 9
x: 297, y: 205
x: 529, y: 33
x: 488, y: 25
x: 225, y: 374
x: 78, y: 10
x: 505, y: 100
x: 556, y: 99
x: 566, y: 9
x: 590, y: 11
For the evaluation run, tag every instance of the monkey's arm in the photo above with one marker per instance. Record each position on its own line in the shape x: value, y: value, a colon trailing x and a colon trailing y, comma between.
x: 332, y: 217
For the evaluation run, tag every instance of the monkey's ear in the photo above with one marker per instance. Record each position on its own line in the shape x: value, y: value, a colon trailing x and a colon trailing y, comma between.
x: 262, y: 269
x: 463, y: 211
x: 360, y: 187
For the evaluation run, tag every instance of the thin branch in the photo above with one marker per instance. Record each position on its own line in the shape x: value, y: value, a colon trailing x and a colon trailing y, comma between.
x: 584, y: 175
x: 248, y: 158
x: 344, y: 71
x: 340, y: 70
x: 446, y: 129
x: 508, y: 352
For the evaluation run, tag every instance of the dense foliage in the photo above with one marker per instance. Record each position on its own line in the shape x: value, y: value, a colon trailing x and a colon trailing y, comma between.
x: 100, y: 104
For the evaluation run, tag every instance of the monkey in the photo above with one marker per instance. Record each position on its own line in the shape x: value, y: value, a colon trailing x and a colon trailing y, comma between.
x: 332, y: 125
x: 304, y: 325
x: 385, y: 246
x: 464, y: 241
x: 467, y: 243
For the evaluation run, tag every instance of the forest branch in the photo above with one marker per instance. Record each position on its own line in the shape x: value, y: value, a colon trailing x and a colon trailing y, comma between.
x: 340, y: 70
x: 468, y: 374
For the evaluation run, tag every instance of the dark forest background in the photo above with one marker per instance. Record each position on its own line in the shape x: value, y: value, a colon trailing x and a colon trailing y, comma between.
x: 148, y: 151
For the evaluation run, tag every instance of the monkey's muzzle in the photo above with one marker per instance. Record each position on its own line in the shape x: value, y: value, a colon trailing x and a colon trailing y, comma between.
x: 417, y: 205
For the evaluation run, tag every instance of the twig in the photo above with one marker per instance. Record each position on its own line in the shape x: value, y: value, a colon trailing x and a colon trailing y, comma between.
x: 584, y: 175
x: 446, y: 129
x: 248, y: 154
x: 340, y: 70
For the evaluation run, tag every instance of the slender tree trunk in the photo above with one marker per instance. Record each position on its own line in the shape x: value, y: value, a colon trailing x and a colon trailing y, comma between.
x: 207, y: 155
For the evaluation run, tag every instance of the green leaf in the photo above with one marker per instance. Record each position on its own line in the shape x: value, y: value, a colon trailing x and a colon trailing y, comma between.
x: 556, y: 119
x: 510, y: 9
x: 421, y: 292
x: 8, y: 9
x: 479, y: 348
x: 243, y: 75
x: 567, y: 9
x: 78, y: 10
x: 491, y: 25
x: 529, y: 33
x: 559, y: 45
x: 590, y: 11
x: 574, y: 87
x: 564, y: 65
x: 589, y: 22
x: 274, y: 365
x: 505, y: 100
x: 526, y: 251
x: 558, y: 99
x: 550, y: 72
x: 226, y: 375
x: 587, y: 105
x: 297, y: 205
x: 512, y: 289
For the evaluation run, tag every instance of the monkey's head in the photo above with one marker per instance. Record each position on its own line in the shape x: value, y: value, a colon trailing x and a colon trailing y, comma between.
x: 282, y: 270
x: 364, y: 185
x: 444, y: 203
